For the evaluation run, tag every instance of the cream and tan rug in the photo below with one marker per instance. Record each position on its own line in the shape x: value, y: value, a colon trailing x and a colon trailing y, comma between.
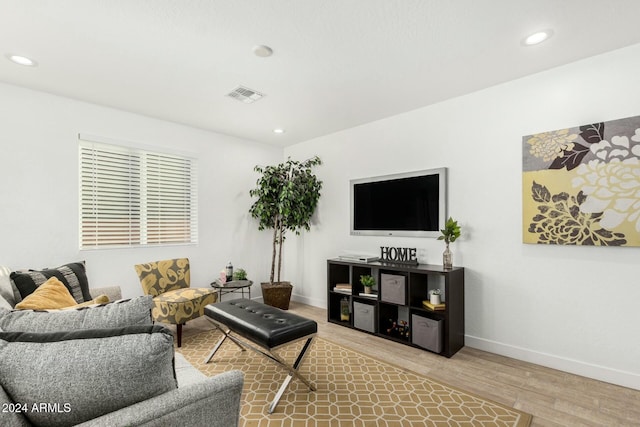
x: 353, y: 389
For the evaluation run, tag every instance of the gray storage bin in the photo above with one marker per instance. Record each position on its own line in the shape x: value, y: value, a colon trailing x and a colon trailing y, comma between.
x: 393, y: 289
x: 427, y: 333
x: 364, y: 316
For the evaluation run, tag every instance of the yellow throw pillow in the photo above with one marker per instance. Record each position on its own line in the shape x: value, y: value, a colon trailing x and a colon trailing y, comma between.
x: 51, y: 294
x: 100, y: 299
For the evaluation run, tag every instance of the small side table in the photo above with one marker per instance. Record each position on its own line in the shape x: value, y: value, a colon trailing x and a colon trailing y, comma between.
x: 241, y: 286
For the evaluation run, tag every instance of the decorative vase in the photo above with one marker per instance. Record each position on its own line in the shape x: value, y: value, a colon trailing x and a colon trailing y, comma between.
x: 434, y: 299
x: 447, y: 256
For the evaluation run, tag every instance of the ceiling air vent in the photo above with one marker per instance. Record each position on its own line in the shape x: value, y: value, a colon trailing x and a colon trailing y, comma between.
x: 245, y: 95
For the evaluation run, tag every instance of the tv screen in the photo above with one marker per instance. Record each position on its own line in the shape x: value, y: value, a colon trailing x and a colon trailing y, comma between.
x: 406, y: 204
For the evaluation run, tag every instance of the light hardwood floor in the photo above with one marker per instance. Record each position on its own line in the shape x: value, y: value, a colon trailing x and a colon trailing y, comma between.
x: 554, y: 398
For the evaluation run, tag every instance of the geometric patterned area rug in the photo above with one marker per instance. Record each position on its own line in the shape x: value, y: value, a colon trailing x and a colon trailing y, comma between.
x: 353, y: 389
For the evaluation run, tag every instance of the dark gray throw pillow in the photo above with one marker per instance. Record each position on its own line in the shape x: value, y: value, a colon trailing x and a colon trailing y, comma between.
x: 66, y: 378
x: 72, y: 275
x: 136, y: 311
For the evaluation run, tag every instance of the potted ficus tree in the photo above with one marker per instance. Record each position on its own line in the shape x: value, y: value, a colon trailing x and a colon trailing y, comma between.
x: 286, y: 198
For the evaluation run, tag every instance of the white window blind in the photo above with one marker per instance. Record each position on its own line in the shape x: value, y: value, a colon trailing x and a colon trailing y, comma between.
x: 135, y: 197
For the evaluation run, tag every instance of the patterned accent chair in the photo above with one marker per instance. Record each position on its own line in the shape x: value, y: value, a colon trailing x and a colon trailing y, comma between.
x: 174, y: 301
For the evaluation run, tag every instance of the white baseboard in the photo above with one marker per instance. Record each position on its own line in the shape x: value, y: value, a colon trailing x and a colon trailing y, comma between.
x: 309, y: 301
x: 601, y: 373
x: 577, y: 367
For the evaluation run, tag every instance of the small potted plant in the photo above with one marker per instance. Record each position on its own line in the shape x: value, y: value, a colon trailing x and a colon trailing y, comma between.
x: 368, y: 282
x: 434, y: 296
x: 450, y: 233
x: 240, y: 274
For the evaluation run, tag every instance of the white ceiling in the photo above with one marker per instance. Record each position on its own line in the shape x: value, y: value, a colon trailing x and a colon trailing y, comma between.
x: 336, y: 63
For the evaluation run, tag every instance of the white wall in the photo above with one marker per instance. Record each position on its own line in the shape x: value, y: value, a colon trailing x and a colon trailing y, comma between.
x: 572, y: 308
x: 39, y: 190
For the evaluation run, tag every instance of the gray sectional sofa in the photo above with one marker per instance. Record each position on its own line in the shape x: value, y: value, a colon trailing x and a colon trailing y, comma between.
x: 103, y: 365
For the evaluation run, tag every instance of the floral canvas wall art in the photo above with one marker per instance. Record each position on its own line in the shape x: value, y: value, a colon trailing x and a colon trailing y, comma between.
x: 581, y: 185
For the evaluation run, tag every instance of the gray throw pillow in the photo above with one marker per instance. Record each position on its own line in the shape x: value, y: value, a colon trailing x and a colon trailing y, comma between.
x: 66, y: 378
x: 72, y: 275
x: 136, y: 311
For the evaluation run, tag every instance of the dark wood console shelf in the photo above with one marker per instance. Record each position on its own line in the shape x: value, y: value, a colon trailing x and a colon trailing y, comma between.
x: 397, y: 312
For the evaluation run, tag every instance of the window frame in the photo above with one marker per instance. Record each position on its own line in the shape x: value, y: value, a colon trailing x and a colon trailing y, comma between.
x: 148, y: 219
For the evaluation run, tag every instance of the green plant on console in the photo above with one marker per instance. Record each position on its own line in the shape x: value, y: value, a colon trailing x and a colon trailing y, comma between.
x: 287, y: 195
x: 450, y: 232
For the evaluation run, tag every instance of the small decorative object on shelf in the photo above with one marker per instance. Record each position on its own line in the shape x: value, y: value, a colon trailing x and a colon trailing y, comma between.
x: 343, y: 288
x: 434, y: 296
x: 434, y: 307
x: 368, y: 282
x: 399, y: 255
x: 344, y: 309
x: 229, y: 272
x: 398, y: 328
x: 450, y: 233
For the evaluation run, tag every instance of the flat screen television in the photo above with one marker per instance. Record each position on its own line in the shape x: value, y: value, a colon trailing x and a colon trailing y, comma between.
x: 411, y: 204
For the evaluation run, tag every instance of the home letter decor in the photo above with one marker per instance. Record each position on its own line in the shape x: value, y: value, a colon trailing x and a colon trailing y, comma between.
x: 399, y: 255
x: 581, y: 185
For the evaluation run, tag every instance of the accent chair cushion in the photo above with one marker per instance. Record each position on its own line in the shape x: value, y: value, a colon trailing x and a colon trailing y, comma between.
x: 136, y: 311
x: 72, y: 275
x: 83, y: 374
x: 51, y: 294
x: 181, y: 305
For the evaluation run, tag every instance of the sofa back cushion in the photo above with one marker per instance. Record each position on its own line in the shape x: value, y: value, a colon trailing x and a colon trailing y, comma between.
x: 72, y: 275
x: 66, y: 378
x: 136, y: 311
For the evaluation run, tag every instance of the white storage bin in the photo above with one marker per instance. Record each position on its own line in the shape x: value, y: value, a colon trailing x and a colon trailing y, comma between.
x: 393, y: 289
x: 364, y: 316
x: 427, y: 333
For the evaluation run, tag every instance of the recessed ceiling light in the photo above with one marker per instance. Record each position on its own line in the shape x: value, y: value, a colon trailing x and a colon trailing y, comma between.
x: 537, y: 37
x: 278, y: 130
x: 262, y: 51
x: 21, y: 60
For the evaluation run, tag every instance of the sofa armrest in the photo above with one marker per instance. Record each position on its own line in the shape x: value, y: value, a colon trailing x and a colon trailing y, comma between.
x: 113, y: 292
x: 214, y: 402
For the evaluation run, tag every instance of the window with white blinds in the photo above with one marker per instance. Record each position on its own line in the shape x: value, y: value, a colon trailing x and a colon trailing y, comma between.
x: 134, y: 197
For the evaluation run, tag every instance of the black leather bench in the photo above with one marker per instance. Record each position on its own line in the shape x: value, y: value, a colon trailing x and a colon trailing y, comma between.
x: 266, y: 328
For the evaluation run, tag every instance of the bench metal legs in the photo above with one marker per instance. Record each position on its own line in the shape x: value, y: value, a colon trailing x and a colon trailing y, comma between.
x: 222, y: 340
x: 291, y: 369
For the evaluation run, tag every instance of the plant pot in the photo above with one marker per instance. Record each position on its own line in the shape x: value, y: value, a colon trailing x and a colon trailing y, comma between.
x: 367, y: 289
x: 277, y: 294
